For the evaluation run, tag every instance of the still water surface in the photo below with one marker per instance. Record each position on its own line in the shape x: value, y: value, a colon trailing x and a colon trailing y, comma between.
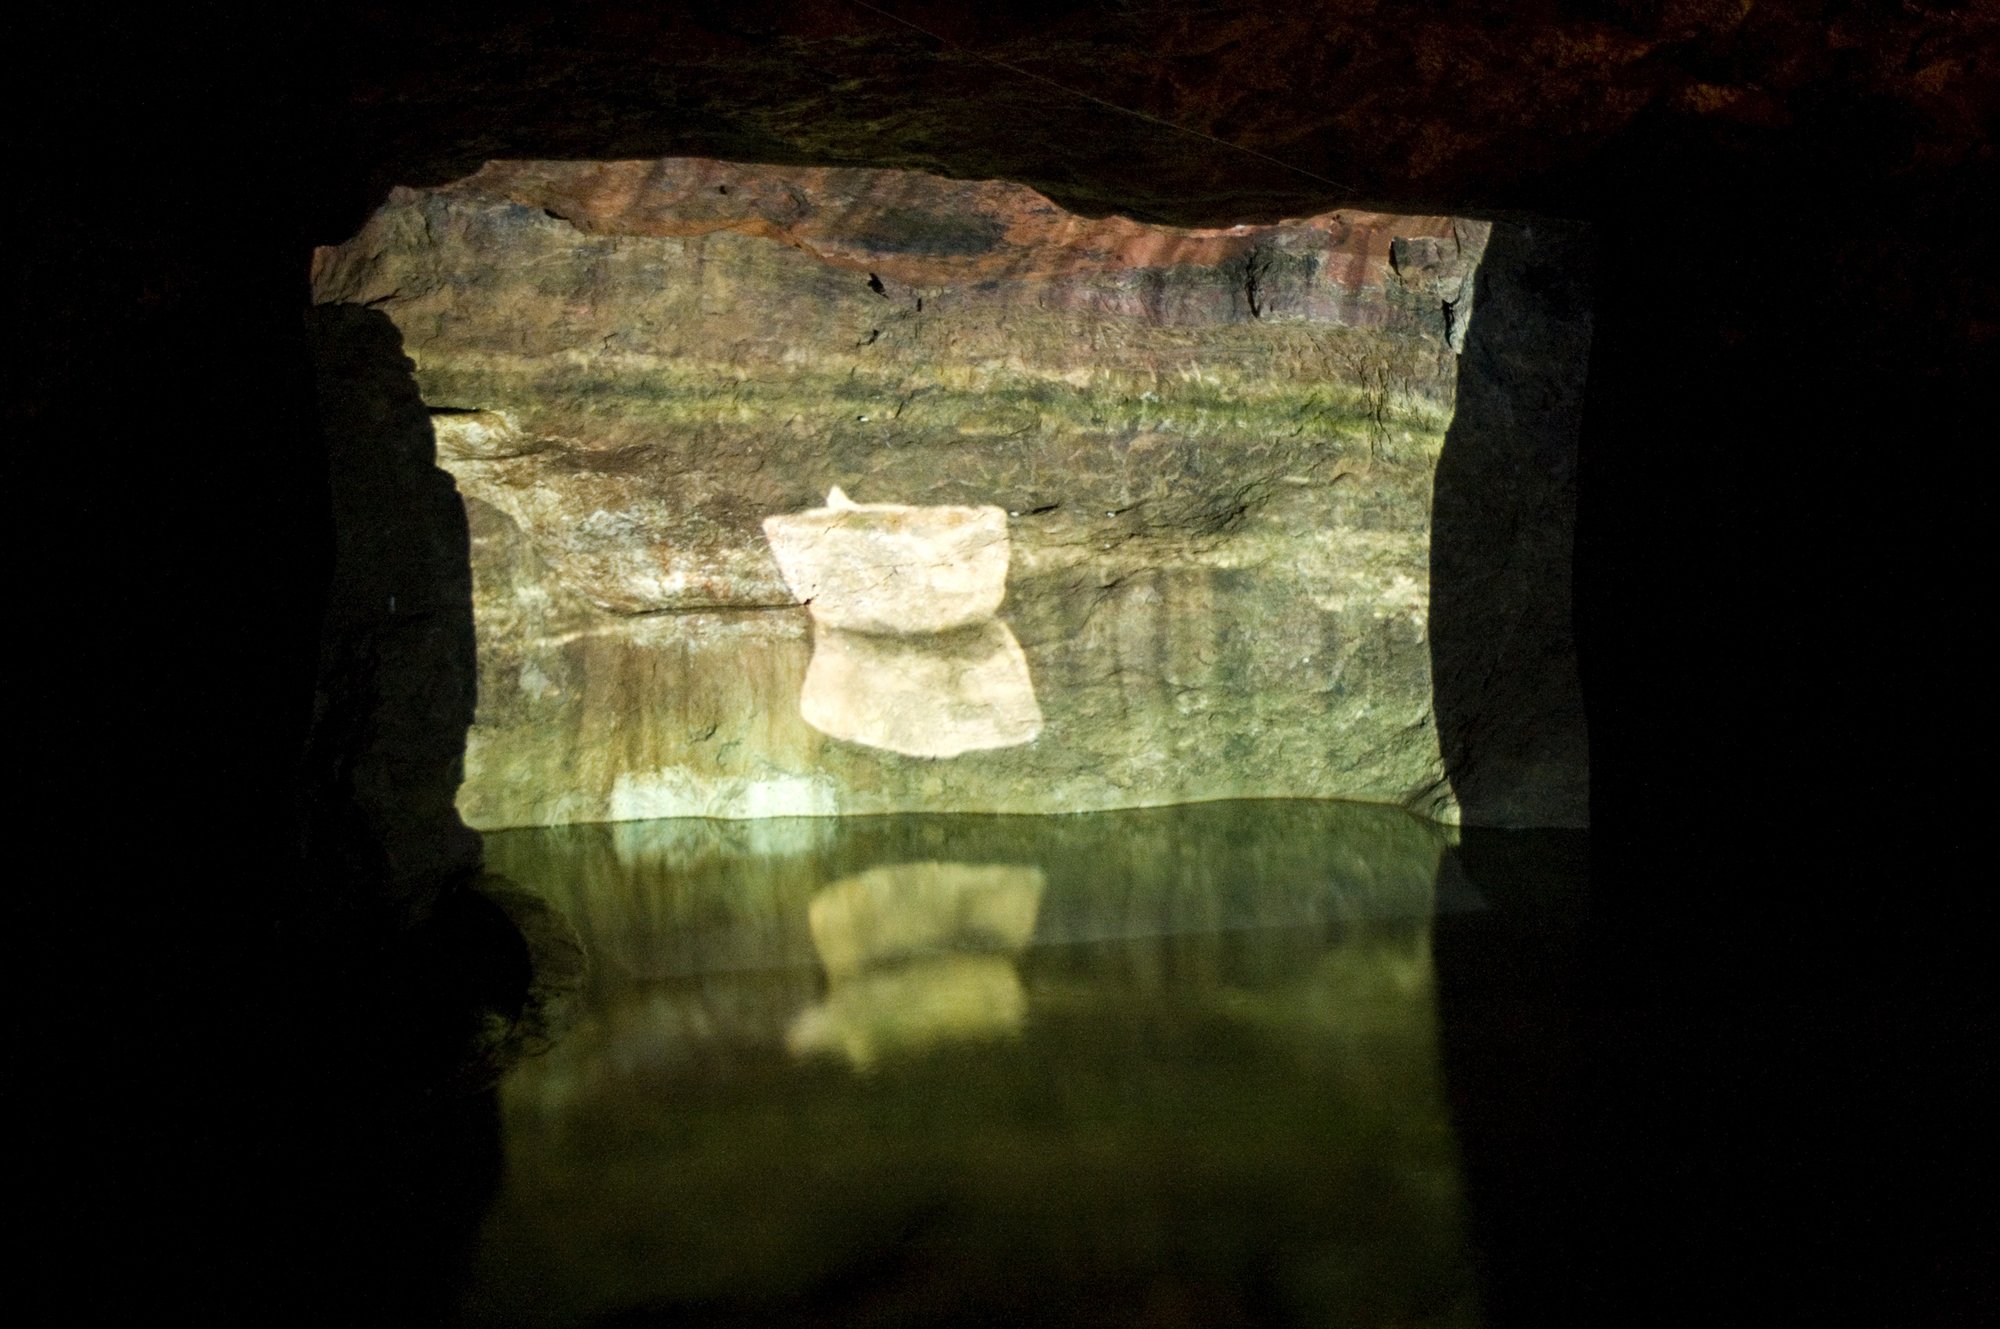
x: 1163, y: 1067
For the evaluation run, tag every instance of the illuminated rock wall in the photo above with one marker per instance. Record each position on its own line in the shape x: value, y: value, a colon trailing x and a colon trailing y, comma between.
x: 1208, y: 456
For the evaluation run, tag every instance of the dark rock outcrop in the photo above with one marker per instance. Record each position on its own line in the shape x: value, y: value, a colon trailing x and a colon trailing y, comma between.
x: 396, y: 680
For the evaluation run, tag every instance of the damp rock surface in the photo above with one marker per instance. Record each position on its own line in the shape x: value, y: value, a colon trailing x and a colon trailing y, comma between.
x: 1214, y: 450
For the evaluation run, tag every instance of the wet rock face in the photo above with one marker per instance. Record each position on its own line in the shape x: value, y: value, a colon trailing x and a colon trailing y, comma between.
x: 1214, y: 450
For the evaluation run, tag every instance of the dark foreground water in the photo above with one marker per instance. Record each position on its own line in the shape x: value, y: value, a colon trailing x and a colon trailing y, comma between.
x: 1164, y: 1067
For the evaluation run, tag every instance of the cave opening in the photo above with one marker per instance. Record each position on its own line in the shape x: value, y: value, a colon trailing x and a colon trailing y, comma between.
x: 919, y: 630
x: 1129, y: 514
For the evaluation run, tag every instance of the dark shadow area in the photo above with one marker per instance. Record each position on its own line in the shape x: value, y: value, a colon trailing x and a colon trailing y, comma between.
x: 265, y: 1003
x: 1511, y: 983
x: 383, y: 1150
x: 398, y: 666
x: 406, y: 981
x: 1779, y: 1025
x: 1503, y: 527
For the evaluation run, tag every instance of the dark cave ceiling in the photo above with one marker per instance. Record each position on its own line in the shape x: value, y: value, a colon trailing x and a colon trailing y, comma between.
x: 1119, y: 106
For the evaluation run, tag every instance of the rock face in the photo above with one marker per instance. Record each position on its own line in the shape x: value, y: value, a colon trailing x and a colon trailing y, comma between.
x: 1210, y: 454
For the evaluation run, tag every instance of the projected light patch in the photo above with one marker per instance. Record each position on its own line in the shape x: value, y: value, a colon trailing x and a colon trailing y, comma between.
x: 908, y: 654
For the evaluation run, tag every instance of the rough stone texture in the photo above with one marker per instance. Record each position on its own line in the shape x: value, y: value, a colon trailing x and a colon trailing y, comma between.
x: 1214, y: 450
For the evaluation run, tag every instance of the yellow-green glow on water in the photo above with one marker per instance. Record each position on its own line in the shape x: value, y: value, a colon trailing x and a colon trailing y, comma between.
x: 1172, y: 1066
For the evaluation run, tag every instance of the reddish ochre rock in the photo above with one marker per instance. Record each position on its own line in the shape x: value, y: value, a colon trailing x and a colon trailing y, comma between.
x: 915, y: 229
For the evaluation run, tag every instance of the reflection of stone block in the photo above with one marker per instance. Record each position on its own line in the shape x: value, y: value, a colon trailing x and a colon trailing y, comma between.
x: 919, y: 954
x: 890, y: 914
x: 893, y: 568
x: 947, y: 999
x: 928, y: 696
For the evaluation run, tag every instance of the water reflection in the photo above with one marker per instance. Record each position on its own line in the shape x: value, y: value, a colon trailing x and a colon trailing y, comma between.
x: 915, y: 911
x: 1177, y: 1061
x: 919, y: 954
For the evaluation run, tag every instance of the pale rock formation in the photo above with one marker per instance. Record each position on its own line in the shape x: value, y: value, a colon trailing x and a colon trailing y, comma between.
x: 890, y: 568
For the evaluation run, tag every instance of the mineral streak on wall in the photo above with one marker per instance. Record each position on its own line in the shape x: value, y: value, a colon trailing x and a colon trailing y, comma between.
x: 1214, y: 449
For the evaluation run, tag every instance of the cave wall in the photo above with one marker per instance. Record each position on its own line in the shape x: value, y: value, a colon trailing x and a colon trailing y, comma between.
x: 1214, y: 449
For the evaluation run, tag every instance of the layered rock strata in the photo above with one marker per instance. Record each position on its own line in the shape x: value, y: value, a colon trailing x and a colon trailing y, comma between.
x: 1214, y: 450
